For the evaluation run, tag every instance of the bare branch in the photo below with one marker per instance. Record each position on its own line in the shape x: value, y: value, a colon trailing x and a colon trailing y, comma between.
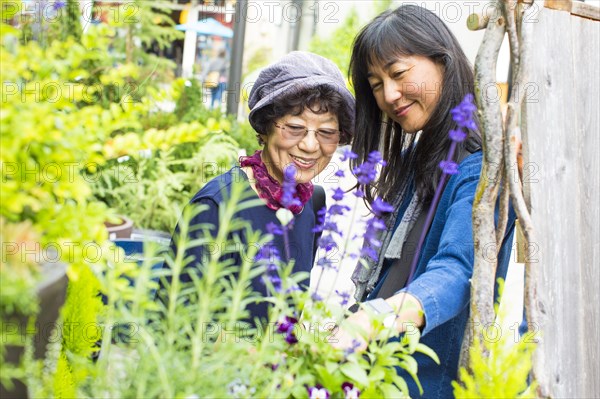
x: 484, y: 232
x: 510, y: 7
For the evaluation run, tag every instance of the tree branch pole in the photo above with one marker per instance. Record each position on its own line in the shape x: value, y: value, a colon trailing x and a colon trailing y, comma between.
x: 512, y: 135
x: 484, y: 229
x: 509, y: 11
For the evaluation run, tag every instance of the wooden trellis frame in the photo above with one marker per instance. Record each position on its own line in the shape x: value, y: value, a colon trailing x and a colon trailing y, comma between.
x: 554, y: 55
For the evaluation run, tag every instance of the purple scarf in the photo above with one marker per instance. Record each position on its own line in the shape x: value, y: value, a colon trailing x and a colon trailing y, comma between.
x: 269, y: 188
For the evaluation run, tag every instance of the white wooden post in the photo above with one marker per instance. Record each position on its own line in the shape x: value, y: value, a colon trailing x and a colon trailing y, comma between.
x: 190, y: 44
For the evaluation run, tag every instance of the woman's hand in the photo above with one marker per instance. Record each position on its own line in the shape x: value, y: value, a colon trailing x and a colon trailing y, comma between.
x: 349, y: 334
x: 357, y: 329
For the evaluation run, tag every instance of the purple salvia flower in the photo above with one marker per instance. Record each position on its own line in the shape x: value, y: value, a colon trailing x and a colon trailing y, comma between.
x: 348, y: 154
x: 369, y: 252
x: 449, y: 167
x: 351, y: 350
x: 316, y: 297
x: 276, y: 282
x: 457, y: 135
x: 274, y: 229
x: 288, y: 198
x: 344, y: 297
x: 337, y: 209
x: 286, y: 326
x: 340, y: 173
x: 326, y: 263
x: 359, y: 193
x: 326, y: 242
x: 338, y: 194
x: 332, y: 227
x: 462, y: 114
x: 380, y: 207
x: 375, y: 157
x: 320, y: 224
x: 267, y: 252
x: 58, y: 5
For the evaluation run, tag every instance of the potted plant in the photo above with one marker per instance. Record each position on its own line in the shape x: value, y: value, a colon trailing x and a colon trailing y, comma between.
x: 33, y: 290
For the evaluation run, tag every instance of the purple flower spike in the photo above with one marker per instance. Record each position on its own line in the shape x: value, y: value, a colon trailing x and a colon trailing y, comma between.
x: 374, y: 157
x: 276, y: 281
x: 340, y: 173
x: 338, y: 194
x: 344, y: 297
x: 457, y: 135
x: 380, y: 207
x: 463, y: 113
x: 449, y: 167
x: 58, y: 5
x: 351, y: 350
x: 288, y: 198
x: 318, y: 392
x: 348, y: 154
x: 274, y: 229
x: 326, y: 242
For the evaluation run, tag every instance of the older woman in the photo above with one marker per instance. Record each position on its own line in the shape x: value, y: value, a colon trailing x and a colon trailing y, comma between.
x: 301, y: 111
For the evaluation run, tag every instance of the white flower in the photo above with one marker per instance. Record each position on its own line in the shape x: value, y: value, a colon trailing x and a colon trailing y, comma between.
x: 285, y: 216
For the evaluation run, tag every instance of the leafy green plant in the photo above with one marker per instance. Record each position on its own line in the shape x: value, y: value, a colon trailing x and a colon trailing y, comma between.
x: 503, y: 370
x: 150, y: 190
x: 198, y: 341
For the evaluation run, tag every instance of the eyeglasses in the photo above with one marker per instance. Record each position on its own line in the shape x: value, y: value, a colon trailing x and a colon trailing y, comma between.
x: 298, y: 132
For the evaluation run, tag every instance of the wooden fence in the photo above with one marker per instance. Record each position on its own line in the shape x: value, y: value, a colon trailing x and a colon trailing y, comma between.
x: 562, y: 178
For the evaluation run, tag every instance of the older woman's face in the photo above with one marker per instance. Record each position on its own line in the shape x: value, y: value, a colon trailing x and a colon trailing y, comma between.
x: 407, y: 90
x: 310, y: 152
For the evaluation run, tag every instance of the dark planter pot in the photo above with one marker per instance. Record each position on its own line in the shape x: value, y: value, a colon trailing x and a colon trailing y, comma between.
x: 51, y: 292
x: 119, y: 230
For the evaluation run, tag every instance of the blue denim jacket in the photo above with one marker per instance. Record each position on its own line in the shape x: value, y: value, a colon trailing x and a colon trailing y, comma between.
x: 441, y: 281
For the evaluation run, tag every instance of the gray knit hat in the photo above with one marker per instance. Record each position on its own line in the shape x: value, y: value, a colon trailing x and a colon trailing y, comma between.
x: 294, y: 72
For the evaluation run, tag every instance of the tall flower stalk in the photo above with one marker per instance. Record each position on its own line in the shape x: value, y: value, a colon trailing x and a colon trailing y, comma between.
x: 462, y: 114
x: 365, y: 174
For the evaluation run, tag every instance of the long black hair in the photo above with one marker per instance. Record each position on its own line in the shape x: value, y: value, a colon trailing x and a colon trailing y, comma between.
x: 408, y: 31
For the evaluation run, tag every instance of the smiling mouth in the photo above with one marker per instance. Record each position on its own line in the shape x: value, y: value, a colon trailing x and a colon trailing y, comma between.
x: 401, y: 111
x: 304, y: 163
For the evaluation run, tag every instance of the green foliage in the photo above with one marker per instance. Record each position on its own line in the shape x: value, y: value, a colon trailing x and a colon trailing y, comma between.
x: 144, y: 24
x: 150, y: 190
x: 197, y: 340
x: 499, y: 367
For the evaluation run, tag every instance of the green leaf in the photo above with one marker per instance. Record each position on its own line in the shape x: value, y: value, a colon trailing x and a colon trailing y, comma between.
x: 356, y: 373
x: 377, y: 374
x: 400, y: 383
x: 391, y: 391
x: 424, y: 349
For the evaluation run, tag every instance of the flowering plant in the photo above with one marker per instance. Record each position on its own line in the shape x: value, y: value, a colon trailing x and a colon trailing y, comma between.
x: 198, y: 340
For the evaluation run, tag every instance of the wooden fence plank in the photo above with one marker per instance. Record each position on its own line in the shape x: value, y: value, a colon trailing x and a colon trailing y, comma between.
x: 562, y: 173
x: 586, y: 36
